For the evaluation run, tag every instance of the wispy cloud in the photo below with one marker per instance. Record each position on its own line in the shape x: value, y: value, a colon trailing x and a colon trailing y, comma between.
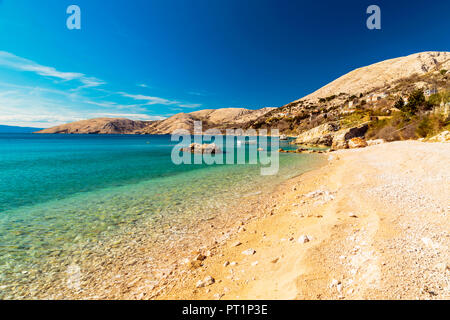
x: 197, y: 93
x: 54, y: 104
x: 12, y: 61
x: 132, y: 116
x: 190, y: 105
x: 19, y: 109
x: 149, y: 100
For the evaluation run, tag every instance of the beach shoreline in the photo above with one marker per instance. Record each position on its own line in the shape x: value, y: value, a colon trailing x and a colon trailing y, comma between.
x: 371, y: 224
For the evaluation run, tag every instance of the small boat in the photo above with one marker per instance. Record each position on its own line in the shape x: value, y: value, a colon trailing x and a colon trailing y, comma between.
x: 283, y: 137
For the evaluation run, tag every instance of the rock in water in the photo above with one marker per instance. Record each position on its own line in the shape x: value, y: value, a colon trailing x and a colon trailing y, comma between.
x: 202, y: 148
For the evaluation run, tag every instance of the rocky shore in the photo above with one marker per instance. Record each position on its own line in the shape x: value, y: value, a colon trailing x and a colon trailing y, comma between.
x: 372, y: 224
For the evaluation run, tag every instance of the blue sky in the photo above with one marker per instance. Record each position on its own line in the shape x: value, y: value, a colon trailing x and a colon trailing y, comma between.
x: 146, y: 59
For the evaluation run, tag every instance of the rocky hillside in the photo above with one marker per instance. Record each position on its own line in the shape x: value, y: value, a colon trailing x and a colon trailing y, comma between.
x: 220, y: 119
x: 384, y: 74
x: 370, y: 95
x: 402, y: 98
x: 98, y: 126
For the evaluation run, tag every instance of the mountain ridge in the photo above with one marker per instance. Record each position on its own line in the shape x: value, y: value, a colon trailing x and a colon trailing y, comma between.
x: 364, y: 92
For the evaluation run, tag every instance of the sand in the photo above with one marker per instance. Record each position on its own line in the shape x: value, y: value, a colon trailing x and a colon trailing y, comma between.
x: 378, y: 225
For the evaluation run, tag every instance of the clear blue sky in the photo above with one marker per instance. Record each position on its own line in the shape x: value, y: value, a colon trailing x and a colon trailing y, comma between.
x: 146, y: 59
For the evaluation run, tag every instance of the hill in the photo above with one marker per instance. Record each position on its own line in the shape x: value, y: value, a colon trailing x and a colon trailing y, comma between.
x: 98, y: 126
x: 219, y: 118
x: 370, y: 95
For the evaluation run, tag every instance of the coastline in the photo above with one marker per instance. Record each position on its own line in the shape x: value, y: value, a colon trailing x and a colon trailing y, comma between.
x: 135, y: 261
x: 377, y: 223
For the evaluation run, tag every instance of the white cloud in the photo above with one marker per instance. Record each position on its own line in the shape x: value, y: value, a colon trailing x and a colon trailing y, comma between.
x: 33, y: 110
x: 190, y: 105
x: 156, y: 100
x: 12, y: 61
x: 150, y: 100
x: 132, y: 116
x: 35, y: 106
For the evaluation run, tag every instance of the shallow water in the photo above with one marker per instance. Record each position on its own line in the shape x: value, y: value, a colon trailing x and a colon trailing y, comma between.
x: 62, y: 195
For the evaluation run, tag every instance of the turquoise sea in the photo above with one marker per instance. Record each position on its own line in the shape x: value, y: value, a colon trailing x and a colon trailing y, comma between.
x: 60, y: 195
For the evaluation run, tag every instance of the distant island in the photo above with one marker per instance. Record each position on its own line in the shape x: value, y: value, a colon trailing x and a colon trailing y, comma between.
x: 15, y: 129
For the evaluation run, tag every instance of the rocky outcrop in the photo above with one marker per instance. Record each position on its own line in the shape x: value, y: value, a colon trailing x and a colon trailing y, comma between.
x: 441, y: 137
x: 341, y: 138
x: 202, y: 148
x: 321, y: 135
x: 357, y: 143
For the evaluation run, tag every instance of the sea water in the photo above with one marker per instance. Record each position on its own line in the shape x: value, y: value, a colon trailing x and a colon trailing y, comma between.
x: 61, y: 195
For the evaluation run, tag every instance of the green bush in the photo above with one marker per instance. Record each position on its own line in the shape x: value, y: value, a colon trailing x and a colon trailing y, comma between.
x: 399, y: 104
x: 416, y: 102
x: 435, y: 99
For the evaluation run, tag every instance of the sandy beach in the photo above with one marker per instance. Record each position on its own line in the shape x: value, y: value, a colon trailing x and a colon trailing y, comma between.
x: 371, y: 224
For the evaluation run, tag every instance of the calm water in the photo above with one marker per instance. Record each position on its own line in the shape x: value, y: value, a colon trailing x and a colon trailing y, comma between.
x: 59, y: 193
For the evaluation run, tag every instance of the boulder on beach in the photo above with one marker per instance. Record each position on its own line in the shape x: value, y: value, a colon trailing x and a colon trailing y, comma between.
x: 357, y: 143
x: 341, y: 138
x: 320, y: 135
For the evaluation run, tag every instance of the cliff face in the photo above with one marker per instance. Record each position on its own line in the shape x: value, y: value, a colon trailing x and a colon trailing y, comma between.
x: 98, y: 126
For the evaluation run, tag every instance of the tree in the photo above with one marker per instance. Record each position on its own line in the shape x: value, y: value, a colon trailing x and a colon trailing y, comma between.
x: 443, y: 72
x: 415, y: 100
x: 399, y: 104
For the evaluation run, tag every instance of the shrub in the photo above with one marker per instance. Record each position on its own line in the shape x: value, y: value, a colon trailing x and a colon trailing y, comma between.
x: 435, y: 99
x: 430, y: 125
x: 415, y: 100
x: 399, y: 104
x: 388, y: 133
x: 443, y: 72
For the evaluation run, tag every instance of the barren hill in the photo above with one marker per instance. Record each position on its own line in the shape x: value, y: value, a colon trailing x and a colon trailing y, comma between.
x: 210, y: 118
x: 347, y: 101
x: 368, y: 94
x: 220, y: 118
x: 384, y: 73
x: 98, y: 126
